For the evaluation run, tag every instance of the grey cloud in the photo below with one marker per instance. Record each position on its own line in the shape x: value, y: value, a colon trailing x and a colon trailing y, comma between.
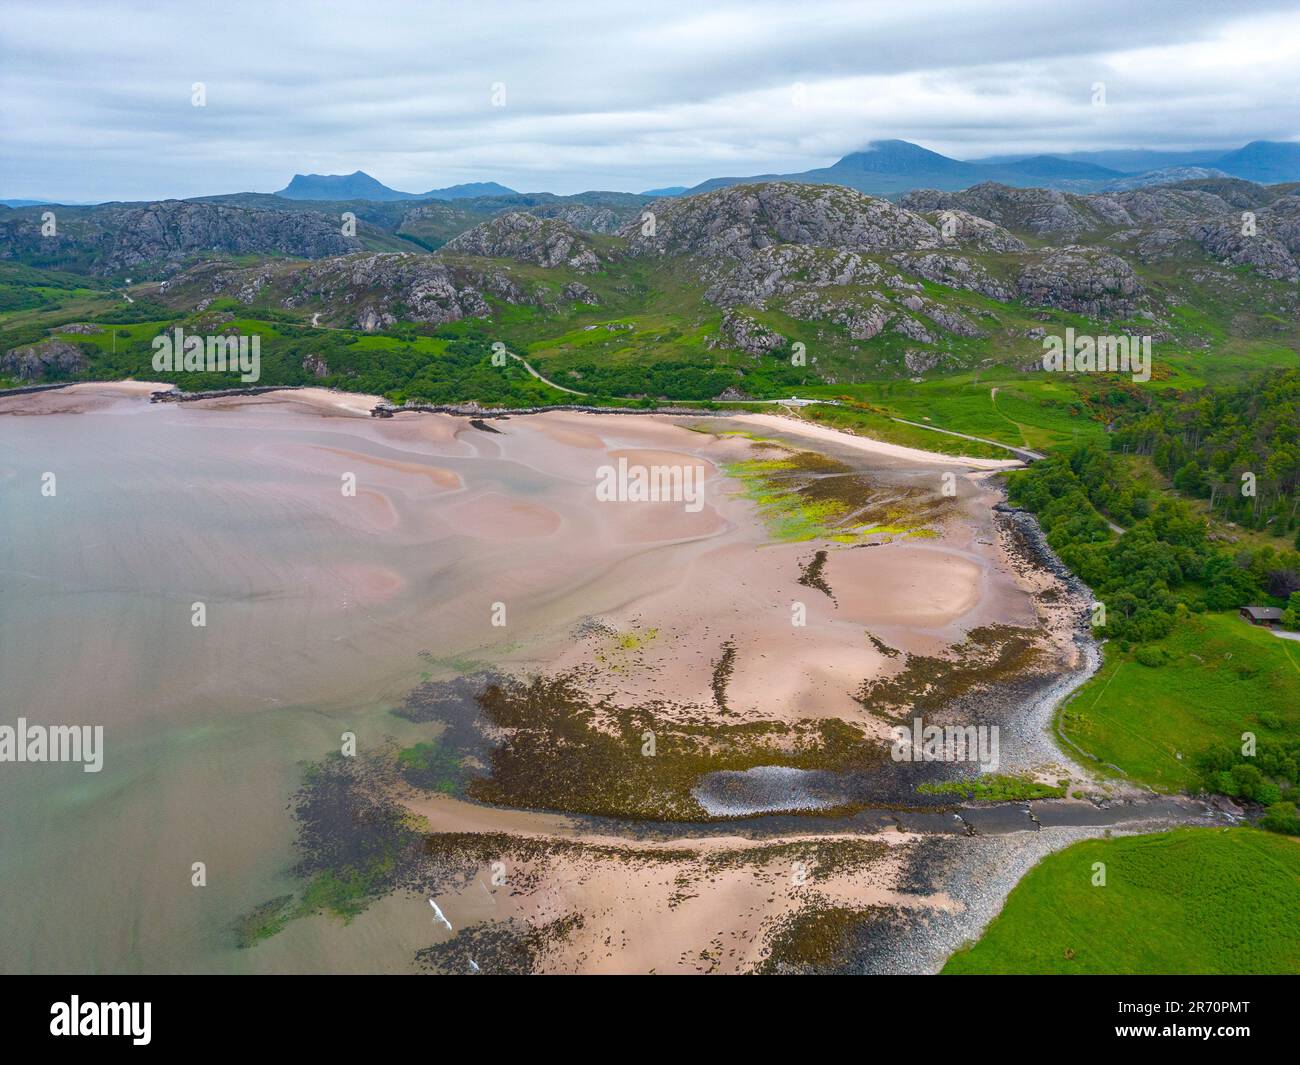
x: 605, y: 94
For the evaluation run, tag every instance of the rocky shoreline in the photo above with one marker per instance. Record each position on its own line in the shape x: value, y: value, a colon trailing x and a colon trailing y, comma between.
x: 977, y: 874
x: 26, y: 390
x: 1033, y: 731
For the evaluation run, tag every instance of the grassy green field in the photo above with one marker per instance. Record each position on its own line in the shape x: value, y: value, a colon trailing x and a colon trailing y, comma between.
x: 1197, y: 900
x: 1035, y: 410
x: 1223, y: 677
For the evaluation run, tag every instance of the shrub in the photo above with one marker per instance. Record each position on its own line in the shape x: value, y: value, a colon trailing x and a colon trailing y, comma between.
x: 1152, y: 656
x: 1281, y: 817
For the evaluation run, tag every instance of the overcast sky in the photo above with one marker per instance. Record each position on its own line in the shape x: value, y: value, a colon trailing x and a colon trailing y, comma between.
x: 95, y: 98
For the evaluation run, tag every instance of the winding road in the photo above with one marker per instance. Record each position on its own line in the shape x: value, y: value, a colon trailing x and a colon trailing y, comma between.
x: 1022, y: 453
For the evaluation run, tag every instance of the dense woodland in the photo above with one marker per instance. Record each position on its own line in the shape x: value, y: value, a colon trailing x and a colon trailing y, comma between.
x: 1163, y: 564
x: 1212, y: 444
x: 1209, y: 441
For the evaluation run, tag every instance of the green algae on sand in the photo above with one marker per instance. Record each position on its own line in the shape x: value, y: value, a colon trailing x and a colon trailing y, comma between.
x: 804, y: 496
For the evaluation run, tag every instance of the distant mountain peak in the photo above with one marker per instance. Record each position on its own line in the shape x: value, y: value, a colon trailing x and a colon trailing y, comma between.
x: 901, y: 148
x: 890, y: 154
x: 355, y: 186
x: 1264, y: 161
x: 469, y: 189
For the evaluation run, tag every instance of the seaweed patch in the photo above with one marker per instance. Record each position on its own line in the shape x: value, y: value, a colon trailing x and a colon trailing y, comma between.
x: 927, y: 685
x: 560, y: 749
x: 498, y: 948
x: 812, y: 575
x: 819, y: 937
x: 722, y: 670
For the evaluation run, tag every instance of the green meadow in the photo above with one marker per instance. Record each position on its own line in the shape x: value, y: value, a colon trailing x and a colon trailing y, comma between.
x: 1219, y: 677
x: 1190, y: 901
x: 1034, y: 410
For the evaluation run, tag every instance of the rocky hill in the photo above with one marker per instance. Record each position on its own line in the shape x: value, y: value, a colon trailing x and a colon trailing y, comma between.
x: 1223, y: 221
x: 48, y: 359
x: 823, y: 254
x: 1039, y: 212
x: 741, y: 220
x: 156, y: 239
x: 369, y: 292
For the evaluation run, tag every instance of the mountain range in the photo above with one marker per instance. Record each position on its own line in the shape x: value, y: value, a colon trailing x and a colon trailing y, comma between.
x: 1264, y: 162
x: 361, y: 186
x: 887, y: 168
x: 893, y: 167
x: 706, y: 302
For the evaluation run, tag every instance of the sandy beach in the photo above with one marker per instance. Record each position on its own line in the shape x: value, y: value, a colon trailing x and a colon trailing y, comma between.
x: 875, y: 447
x: 463, y: 550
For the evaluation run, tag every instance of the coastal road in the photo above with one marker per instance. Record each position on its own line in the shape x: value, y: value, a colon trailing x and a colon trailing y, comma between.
x: 544, y: 380
x: 1022, y: 453
x: 791, y: 402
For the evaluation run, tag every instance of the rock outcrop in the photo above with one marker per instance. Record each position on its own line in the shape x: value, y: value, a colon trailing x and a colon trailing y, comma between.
x: 577, y: 292
x: 589, y: 218
x: 316, y: 366
x: 737, y: 222
x: 33, y: 362
x: 786, y: 269
x: 749, y: 335
x: 962, y: 229
x: 955, y: 271
x: 373, y: 291
x: 1083, y: 280
x: 1271, y: 245
x: 525, y: 238
x: 1043, y: 212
